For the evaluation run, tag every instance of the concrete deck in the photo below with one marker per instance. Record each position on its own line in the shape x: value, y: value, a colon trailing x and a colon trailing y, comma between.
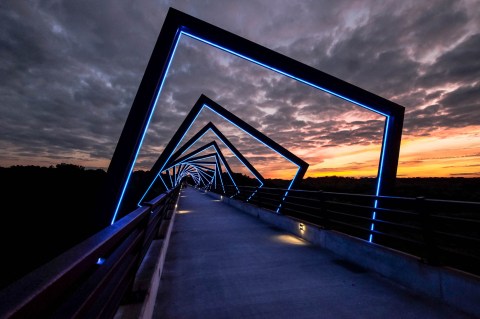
x: 222, y: 263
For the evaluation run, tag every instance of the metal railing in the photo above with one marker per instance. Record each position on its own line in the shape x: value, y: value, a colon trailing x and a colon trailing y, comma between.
x: 91, y: 279
x: 439, y: 232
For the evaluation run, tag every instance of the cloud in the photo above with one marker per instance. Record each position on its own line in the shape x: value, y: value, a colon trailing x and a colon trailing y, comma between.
x: 460, y: 65
x: 472, y: 174
x: 71, y: 69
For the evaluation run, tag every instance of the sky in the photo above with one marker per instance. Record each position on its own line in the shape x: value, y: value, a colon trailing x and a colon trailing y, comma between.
x: 70, y: 71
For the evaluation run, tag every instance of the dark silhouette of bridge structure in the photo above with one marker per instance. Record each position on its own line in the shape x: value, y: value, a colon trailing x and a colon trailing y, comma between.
x: 200, y: 245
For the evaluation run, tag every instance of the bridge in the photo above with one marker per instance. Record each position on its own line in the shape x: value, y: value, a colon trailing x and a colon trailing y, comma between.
x: 218, y: 250
x: 191, y: 253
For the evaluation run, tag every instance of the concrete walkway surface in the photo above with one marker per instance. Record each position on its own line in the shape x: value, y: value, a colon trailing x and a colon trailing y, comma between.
x: 223, y: 263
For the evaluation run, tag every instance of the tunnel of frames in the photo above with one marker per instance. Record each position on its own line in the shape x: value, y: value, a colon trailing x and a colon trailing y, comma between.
x: 177, y: 25
x: 174, y: 164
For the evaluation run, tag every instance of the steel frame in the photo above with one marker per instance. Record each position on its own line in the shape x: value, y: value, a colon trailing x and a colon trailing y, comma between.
x: 179, y: 24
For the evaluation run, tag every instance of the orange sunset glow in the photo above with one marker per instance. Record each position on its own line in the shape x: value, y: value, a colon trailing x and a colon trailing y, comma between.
x: 71, y: 107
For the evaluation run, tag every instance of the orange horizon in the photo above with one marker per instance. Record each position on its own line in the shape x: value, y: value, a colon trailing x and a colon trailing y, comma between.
x: 444, y: 153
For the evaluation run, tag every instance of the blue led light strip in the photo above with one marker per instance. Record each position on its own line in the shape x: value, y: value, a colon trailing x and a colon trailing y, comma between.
x: 298, y: 170
x: 319, y: 88
x: 181, y: 139
x: 170, y: 58
x: 210, y: 130
x: 219, y: 168
x: 217, y: 165
x: 218, y: 151
x: 281, y: 72
x: 200, y: 169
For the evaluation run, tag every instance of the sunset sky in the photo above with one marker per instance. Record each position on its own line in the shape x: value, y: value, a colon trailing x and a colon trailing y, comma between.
x: 70, y: 71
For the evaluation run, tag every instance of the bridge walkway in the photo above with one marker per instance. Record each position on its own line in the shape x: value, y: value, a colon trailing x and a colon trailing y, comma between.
x: 222, y: 263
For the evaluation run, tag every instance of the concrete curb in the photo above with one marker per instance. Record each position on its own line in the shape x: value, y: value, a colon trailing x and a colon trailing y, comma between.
x: 453, y: 287
x: 148, y: 277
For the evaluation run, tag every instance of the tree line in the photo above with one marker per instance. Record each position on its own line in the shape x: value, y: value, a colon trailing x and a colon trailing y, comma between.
x: 47, y: 210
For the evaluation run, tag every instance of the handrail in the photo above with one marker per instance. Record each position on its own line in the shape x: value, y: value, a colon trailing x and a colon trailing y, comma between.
x: 90, y: 279
x: 439, y: 232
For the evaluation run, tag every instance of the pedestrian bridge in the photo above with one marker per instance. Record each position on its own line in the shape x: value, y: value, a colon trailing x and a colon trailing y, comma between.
x: 223, y: 263
x: 215, y: 257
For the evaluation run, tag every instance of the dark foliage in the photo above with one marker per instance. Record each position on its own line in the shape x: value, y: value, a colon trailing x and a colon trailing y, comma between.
x: 47, y: 210
x: 451, y: 188
x: 454, y: 188
x: 44, y: 212
x: 447, y: 188
x: 340, y: 184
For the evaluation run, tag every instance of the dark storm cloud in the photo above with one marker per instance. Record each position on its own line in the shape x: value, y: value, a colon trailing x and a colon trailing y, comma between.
x: 69, y: 74
x: 71, y: 69
x: 393, y: 47
x: 459, y: 65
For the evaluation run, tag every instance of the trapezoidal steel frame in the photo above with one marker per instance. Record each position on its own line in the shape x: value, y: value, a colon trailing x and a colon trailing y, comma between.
x: 188, y: 144
x: 178, y: 24
x: 220, y: 158
x: 211, y: 127
x: 205, y: 102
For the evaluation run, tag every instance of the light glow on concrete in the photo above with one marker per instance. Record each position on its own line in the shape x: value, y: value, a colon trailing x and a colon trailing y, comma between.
x: 290, y: 240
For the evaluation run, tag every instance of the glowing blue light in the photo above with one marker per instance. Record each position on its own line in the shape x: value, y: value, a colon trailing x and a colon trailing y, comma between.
x: 195, y: 154
x: 298, y: 170
x: 259, y: 179
x: 202, y: 174
x: 288, y: 189
x: 176, y: 41
x: 170, y: 58
x: 181, y: 139
x: 247, y: 132
x: 170, y: 176
x: 380, y: 171
x: 201, y: 171
x: 219, y: 169
x: 309, y: 84
x: 218, y: 151
x: 221, y: 181
x: 282, y: 72
x: 372, y: 226
x: 100, y: 261
x: 175, y: 176
x: 183, y: 136
x: 278, y: 208
x: 228, y: 172
x: 186, y: 160
x: 181, y: 173
x: 193, y: 173
x: 161, y: 178
x: 250, y: 197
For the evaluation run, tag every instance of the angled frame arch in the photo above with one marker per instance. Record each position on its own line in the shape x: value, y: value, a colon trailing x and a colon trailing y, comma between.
x: 211, y: 127
x: 203, y: 101
x: 179, y: 24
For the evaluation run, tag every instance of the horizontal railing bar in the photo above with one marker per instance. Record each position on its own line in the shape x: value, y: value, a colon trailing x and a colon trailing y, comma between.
x: 402, y: 218
x: 462, y: 237
x: 67, y: 267
x: 71, y: 283
x: 456, y: 219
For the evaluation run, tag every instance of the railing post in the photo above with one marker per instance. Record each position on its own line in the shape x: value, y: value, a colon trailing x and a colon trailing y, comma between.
x: 260, y: 197
x: 323, y: 210
x: 430, y: 253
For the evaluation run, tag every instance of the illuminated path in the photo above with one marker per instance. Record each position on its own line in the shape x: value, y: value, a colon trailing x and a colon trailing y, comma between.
x: 222, y: 263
